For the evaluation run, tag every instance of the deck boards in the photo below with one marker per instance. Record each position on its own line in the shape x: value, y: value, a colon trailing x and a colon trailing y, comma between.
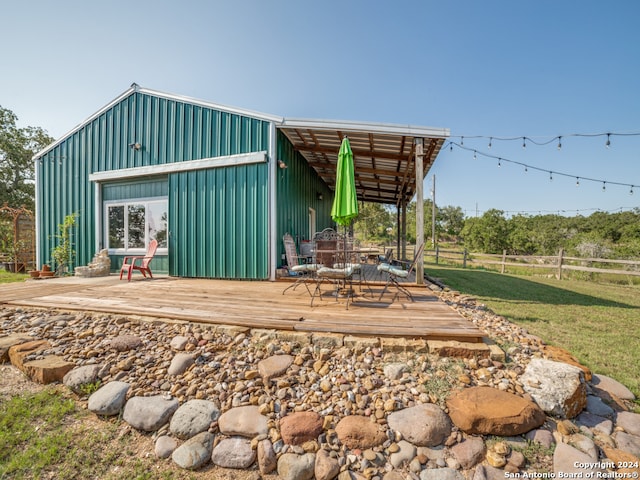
x: 250, y: 304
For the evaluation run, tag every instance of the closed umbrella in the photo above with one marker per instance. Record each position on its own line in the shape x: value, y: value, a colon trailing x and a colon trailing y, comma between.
x: 345, y: 202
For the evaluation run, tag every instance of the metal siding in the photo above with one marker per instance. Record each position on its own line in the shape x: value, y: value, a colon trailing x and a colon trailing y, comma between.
x: 298, y: 186
x: 169, y: 131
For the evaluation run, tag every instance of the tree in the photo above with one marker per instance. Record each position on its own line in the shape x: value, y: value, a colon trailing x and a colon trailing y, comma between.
x: 17, y: 147
x: 486, y: 234
x: 374, y: 223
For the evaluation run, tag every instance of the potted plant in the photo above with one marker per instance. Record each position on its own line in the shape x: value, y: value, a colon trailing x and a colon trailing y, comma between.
x: 63, y: 253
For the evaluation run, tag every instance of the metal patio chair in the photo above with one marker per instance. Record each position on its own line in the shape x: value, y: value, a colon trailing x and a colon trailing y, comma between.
x: 295, y: 263
x: 396, y: 272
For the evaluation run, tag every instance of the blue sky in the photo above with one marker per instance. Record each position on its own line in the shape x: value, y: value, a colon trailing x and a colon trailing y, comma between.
x: 537, y: 69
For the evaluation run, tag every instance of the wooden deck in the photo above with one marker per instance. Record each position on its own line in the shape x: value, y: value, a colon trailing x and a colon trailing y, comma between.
x: 254, y: 304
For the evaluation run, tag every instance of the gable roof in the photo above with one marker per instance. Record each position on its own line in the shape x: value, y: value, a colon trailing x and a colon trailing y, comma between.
x: 383, y: 153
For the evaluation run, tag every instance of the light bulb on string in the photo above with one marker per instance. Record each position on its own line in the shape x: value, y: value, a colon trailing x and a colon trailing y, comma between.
x: 524, y: 142
x: 604, y: 186
x: 559, y: 143
x: 461, y: 140
x: 475, y: 157
x: 550, y: 176
x: 631, y: 190
x: 450, y: 147
x: 577, y: 181
x: 608, y: 144
x: 526, y: 169
x: 490, y: 140
x: 499, y: 162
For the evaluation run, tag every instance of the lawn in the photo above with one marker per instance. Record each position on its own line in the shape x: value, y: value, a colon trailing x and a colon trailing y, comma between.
x: 599, y: 323
x: 8, y: 277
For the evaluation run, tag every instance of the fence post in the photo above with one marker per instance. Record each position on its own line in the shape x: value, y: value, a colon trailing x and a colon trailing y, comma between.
x: 437, y: 253
x: 504, y: 259
x: 464, y: 258
x: 560, y: 257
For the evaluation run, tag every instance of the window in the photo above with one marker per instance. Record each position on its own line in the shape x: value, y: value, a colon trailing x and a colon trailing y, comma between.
x: 132, y: 224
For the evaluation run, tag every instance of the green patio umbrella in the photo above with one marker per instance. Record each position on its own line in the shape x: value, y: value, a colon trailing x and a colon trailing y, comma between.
x: 345, y: 201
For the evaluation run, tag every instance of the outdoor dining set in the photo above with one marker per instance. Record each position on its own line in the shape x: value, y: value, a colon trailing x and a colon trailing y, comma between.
x: 333, y: 259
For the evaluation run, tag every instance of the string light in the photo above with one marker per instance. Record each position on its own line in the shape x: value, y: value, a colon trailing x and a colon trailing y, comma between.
x: 631, y: 190
x: 475, y: 156
x: 524, y: 142
x: 558, y: 138
x: 550, y: 172
x: 576, y: 211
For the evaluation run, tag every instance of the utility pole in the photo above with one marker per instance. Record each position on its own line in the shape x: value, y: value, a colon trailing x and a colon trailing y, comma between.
x: 433, y: 211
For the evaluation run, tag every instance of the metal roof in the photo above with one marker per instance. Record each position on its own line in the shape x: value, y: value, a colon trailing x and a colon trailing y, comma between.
x: 383, y: 154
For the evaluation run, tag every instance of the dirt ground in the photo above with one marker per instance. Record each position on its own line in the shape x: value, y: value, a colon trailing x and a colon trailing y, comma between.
x: 139, y: 446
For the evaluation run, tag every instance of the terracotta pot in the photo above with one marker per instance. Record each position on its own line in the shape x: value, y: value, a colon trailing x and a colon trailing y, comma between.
x: 34, y: 273
x: 46, y: 268
x: 44, y: 274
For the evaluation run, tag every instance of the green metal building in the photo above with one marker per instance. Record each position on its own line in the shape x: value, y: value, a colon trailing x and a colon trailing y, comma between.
x: 218, y: 187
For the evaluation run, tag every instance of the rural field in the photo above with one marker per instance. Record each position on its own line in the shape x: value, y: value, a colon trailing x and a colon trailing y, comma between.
x: 598, y: 322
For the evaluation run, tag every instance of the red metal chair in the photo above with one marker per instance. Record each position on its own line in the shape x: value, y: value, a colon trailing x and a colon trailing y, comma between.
x: 129, y: 263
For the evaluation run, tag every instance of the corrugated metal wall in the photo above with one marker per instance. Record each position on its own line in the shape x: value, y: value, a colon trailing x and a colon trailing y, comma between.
x: 298, y: 189
x: 169, y: 131
x: 218, y: 223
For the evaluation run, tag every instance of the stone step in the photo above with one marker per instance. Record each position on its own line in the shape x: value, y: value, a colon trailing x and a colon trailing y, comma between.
x: 10, y: 341
x: 51, y: 368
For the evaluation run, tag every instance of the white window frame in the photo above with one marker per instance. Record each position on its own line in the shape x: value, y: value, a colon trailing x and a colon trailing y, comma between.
x: 125, y: 203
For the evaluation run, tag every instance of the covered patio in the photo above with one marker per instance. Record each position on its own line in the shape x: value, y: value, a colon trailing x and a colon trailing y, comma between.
x: 256, y: 305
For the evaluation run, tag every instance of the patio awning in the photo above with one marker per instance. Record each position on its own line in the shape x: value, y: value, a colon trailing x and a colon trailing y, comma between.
x: 384, y: 154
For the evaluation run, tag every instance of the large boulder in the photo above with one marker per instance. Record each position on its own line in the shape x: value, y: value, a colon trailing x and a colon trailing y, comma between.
x: 149, y: 413
x: 193, y: 417
x: 243, y: 421
x: 558, y: 388
x: 300, y: 427
x: 488, y: 411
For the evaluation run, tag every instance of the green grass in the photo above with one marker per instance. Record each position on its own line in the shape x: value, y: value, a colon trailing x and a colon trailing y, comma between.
x: 599, y: 323
x: 8, y: 277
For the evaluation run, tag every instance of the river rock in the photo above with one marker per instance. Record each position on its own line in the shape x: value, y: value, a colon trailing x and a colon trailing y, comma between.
x: 569, y: 460
x: 404, y: 455
x: 394, y: 371
x: 440, y: 474
x: 267, y: 459
x: 558, y: 388
x: 612, y: 387
x: 596, y: 406
x: 109, y: 399
x: 630, y: 422
x: 423, y: 425
x: 195, y: 452
x: 300, y: 427
x: 489, y: 411
x: 165, y: 446
x: 178, y: 342
x: 193, y: 417
x: 469, y: 452
x: 296, y: 467
x: 628, y: 443
x: 180, y: 363
x: 235, y: 452
x: 326, y: 467
x: 274, y: 366
x: 244, y: 421
x: 595, y: 422
x: 356, y: 431
x: 74, y: 379
x: 124, y: 343
x: 149, y: 413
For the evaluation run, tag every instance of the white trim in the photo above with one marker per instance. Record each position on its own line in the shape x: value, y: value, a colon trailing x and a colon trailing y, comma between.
x: 38, y: 213
x: 201, y: 164
x: 99, y: 220
x: 179, y: 98
x: 352, y: 126
x: 273, y: 197
x: 224, y: 108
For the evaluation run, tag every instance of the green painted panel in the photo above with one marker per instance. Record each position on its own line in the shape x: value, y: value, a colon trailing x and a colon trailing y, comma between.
x: 218, y: 222
x: 145, y: 188
x: 299, y: 187
x: 169, y: 131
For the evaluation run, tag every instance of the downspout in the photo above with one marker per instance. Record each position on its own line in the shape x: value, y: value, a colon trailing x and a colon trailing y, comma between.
x: 273, y: 211
x: 37, y: 180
